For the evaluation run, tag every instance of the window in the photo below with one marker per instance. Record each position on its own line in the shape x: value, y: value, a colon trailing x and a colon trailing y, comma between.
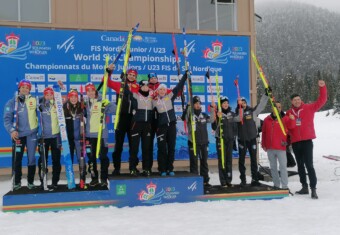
x: 25, y: 10
x: 208, y: 14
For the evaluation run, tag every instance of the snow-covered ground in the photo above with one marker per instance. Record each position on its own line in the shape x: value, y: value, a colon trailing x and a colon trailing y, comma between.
x: 293, y: 215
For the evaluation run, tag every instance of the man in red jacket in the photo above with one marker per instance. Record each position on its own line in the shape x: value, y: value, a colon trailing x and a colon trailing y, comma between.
x: 274, y: 142
x: 302, y: 135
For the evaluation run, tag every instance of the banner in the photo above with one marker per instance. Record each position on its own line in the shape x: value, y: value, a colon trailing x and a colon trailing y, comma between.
x: 77, y: 57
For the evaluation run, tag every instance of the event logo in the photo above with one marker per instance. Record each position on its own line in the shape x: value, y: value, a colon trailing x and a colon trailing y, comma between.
x: 150, y: 196
x: 215, y: 53
x: 193, y: 186
x: 11, y: 49
x: 67, y: 45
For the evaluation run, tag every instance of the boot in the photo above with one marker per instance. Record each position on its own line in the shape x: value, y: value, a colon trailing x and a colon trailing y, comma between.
x: 304, y: 190
x: 30, y: 174
x: 314, y: 195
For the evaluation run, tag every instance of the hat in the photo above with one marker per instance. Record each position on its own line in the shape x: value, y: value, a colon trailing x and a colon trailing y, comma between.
x: 72, y: 92
x: 152, y: 75
x: 143, y: 83
x: 161, y: 86
x: 196, y: 99
x: 48, y: 90
x: 133, y: 71
x: 25, y: 82
x: 224, y: 99
x: 89, y: 86
x: 243, y: 99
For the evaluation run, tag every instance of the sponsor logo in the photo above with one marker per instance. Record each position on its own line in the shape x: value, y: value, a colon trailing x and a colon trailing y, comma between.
x: 96, y: 77
x: 107, y: 38
x: 78, y: 77
x: 35, y: 77
x: 121, y: 189
x: 56, y: 77
x: 213, y: 89
x: 198, y: 89
x: 215, y: 54
x: 162, y: 78
x: 198, y: 79
x: 67, y: 44
x: 193, y: 186
x: 10, y: 49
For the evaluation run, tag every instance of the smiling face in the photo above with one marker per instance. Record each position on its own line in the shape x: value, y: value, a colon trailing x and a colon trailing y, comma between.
x: 91, y: 93
x: 225, y: 105
x: 153, y: 80
x: 73, y: 99
x: 162, y: 91
x: 48, y: 96
x: 296, y: 101
x: 24, y: 90
x: 131, y: 77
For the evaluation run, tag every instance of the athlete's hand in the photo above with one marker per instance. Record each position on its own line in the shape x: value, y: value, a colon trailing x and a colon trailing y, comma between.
x: 15, y: 135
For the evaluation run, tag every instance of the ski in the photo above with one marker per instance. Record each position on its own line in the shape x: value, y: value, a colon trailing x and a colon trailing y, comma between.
x: 332, y: 157
x: 82, y: 166
x: 134, y: 29
x: 220, y: 122
x: 239, y: 97
x: 175, y: 52
x: 64, y: 140
x: 123, y: 82
x: 102, y: 110
x: 270, y: 95
x: 16, y: 144
x: 191, y: 113
x: 41, y: 144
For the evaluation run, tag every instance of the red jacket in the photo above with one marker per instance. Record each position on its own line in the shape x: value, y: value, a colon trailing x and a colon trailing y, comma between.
x: 134, y: 87
x: 305, y: 113
x: 272, y: 136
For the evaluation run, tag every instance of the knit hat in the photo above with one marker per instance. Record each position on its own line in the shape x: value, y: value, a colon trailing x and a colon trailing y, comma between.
x: 25, y: 82
x: 72, y: 92
x: 152, y: 75
x: 132, y: 71
x: 244, y: 99
x: 224, y: 99
x: 162, y: 86
x: 143, y: 83
x: 48, y: 90
x: 196, y: 99
x: 89, y: 86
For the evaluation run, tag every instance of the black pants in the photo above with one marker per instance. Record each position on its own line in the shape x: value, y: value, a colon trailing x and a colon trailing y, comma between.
x: 30, y: 143
x: 104, y: 160
x: 166, y: 143
x: 251, y: 147
x: 152, y: 138
x: 55, y: 154
x: 140, y: 132
x: 303, y: 151
x: 202, y: 154
x: 122, y: 130
x: 226, y: 174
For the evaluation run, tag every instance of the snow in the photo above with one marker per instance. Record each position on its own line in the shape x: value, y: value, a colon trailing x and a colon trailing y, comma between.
x: 297, y: 214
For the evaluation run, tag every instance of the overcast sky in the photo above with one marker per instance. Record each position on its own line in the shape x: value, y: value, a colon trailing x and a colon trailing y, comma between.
x: 332, y: 5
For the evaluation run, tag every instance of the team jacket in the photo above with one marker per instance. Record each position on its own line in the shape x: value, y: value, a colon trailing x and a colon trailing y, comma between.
x: 126, y: 102
x: 248, y: 129
x: 142, y: 109
x: 49, y: 119
x: 165, y: 105
x: 272, y: 136
x: 201, y: 119
x: 229, y: 121
x: 27, y: 122
x: 304, y: 117
x: 73, y: 115
x: 93, y: 113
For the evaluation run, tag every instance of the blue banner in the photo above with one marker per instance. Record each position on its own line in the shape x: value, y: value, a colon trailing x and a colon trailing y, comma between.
x: 77, y: 57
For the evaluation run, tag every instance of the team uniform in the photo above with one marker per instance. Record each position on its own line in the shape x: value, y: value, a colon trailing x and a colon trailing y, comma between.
x: 166, y: 124
x: 27, y: 128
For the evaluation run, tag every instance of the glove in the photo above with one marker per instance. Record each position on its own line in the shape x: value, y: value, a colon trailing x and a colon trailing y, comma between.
x: 268, y: 91
x: 105, y: 102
